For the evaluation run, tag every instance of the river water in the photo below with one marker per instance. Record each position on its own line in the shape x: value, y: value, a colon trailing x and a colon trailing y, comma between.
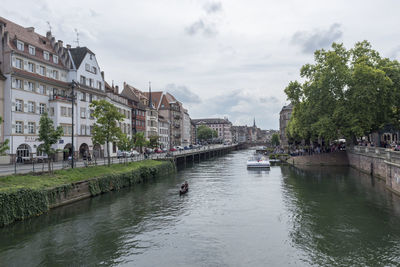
x: 230, y: 217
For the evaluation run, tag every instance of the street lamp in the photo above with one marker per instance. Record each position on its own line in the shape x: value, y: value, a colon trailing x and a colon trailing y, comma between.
x: 72, y: 96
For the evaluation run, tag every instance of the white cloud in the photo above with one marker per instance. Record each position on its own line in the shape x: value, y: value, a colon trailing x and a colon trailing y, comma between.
x: 251, y: 45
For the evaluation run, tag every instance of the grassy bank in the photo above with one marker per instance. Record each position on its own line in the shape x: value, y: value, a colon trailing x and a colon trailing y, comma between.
x: 61, y: 177
x: 24, y: 196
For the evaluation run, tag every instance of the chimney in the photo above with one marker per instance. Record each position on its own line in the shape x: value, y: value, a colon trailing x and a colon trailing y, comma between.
x: 68, y: 46
x: 30, y: 29
x: 60, y: 43
x: 116, y: 90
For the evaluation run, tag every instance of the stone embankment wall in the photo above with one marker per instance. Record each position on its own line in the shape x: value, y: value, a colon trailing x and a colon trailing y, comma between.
x: 26, y: 203
x: 338, y: 158
x: 379, y: 162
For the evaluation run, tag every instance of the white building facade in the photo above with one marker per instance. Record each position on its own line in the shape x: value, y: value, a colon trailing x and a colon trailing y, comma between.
x: 164, y: 132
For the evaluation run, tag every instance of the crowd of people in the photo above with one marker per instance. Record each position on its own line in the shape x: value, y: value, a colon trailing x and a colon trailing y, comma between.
x: 395, y: 146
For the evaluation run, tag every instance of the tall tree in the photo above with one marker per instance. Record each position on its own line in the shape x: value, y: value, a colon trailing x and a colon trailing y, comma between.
x: 205, y: 133
x: 154, y: 141
x: 49, y: 136
x: 345, y: 93
x: 4, y: 145
x: 275, y: 139
x: 125, y: 143
x: 140, y: 141
x: 106, y: 129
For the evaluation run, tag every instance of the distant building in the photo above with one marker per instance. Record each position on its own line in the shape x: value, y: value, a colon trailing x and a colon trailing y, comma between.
x: 137, y: 107
x: 163, y: 132
x: 186, y: 129
x: 284, y: 117
x: 240, y: 134
x: 222, y: 126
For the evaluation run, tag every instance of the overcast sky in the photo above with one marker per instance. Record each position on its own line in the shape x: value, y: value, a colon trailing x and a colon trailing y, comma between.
x: 220, y: 58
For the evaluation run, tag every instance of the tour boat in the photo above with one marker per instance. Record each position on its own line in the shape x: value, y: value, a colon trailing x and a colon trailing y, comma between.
x: 258, y: 162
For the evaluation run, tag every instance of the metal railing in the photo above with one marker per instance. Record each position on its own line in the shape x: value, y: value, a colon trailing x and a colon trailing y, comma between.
x: 33, y: 166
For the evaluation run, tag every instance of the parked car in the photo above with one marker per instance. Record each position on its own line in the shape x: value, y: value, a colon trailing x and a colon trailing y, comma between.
x: 172, y: 149
x: 179, y: 148
x: 158, y: 150
x: 186, y: 148
x: 122, y: 154
x: 134, y: 153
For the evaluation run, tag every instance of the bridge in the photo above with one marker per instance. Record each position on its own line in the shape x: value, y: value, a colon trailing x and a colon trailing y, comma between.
x: 197, y: 154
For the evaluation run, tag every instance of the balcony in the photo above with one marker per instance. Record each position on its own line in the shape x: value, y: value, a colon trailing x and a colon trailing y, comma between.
x: 177, y: 117
x: 176, y: 125
x: 177, y: 135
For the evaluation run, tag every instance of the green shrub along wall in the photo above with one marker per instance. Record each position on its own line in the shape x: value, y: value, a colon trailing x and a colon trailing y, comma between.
x: 26, y: 203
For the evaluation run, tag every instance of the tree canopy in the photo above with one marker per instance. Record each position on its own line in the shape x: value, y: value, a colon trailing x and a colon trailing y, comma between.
x: 49, y: 136
x: 4, y: 145
x: 345, y: 93
x: 205, y: 133
x: 106, y: 128
x: 275, y: 139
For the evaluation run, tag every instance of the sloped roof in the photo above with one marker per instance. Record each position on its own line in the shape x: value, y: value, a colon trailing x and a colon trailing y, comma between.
x: 78, y: 54
x: 155, y: 97
x: 211, y: 121
x: 27, y: 35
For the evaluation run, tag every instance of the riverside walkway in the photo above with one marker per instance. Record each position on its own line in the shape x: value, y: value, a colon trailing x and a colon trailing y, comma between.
x: 179, y: 157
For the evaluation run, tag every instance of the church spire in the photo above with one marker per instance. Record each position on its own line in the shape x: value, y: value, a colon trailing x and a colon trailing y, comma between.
x: 150, y: 104
x: 254, y: 122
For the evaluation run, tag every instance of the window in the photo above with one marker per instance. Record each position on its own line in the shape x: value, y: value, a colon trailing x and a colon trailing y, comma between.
x: 64, y: 111
x: 20, y: 46
x: 32, y: 50
x: 83, y: 80
x: 91, y: 56
x: 42, y: 70
x: 87, y: 67
x: 18, y: 63
x: 31, y: 86
x: 55, y: 59
x: 83, y: 97
x: 99, y: 85
x: 90, y: 98
x: 67, y: 129
x: 83, y: 129
x: 42, y: 108
x: 46, y: 55
x: 19, y: 127
x: 31, y: 67
x: 69, y: 112
x: 94, y: 70
x: 83, y: 113
x: 42, y: 89
x: 19, y: 105
x: 31, y: 107
x: 54, y: 74
x: 91, y: 114
x: 91, y: 82
x: 31, y: 127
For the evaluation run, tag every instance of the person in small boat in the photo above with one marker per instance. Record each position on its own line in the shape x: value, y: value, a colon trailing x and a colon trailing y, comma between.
x: 186, y: 185
x: 182, y: 187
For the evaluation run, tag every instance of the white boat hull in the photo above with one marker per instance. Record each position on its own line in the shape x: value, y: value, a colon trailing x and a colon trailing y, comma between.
x: 258, y: 164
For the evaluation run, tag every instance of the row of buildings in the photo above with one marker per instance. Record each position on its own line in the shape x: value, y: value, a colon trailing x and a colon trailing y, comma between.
x: 36, y: 76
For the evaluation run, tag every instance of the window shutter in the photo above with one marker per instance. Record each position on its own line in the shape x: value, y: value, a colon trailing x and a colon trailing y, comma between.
x: 25, y: 126
x: 25, y: 85
x: 47, y: 72
x: 13, y: 83
x: 25, y: 65
x: 37, y: 67
x: 13, y: 61
x: 37, y: 87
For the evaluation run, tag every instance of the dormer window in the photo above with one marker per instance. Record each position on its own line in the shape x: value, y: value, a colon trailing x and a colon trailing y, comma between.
x: 32, y: 50
x: 55, y: 59
x: 46, y: 55
x: 20, y: 45
x: 87, y: 67
x: 94, y: 70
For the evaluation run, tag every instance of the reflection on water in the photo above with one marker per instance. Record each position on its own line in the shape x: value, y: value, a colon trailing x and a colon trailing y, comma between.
x: 232, y: 216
